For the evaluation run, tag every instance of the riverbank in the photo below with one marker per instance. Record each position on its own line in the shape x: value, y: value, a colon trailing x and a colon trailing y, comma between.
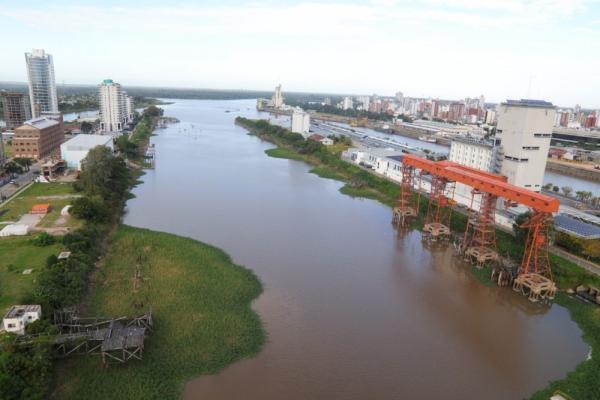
x: 582, y: 382
x: 201, y: 304
x: 573, y: 169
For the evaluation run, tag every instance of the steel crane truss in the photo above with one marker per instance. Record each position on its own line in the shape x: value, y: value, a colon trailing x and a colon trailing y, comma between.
x: 535, y: 275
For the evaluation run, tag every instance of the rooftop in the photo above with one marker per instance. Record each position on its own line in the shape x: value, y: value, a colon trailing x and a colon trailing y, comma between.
x: 86, y: 142
x: 528, y: 103
x: 19, y: 310
x: 41, y: 122
x: 576, y: 227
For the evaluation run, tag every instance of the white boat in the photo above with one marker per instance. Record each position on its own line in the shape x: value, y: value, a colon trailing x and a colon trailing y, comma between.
x: 428, y: 139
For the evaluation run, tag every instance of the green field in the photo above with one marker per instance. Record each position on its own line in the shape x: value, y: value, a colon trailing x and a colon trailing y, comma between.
x: 34, y: 194
x: 201, y: 307
x: 17, y: 254
x: 282, y: 152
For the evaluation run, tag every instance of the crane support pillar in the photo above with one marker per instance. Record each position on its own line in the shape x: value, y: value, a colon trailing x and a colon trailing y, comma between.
x: 479, y: 245
x: 405, y: 209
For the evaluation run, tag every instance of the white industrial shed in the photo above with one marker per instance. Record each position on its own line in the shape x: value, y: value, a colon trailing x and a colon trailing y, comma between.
x: 77, y: 148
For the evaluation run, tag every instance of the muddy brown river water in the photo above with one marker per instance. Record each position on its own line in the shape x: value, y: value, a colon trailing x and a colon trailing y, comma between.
x: 352, y: 310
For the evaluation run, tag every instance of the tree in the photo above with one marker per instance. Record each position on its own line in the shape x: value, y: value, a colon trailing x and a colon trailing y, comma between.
x: 548, y: 186
x: 567, y: 190
x: 521, y: 233
x: 12, y: 167
x: 104, y: 175
x: 555, y: 189
x: 24, y: 162
x: 126, y: 147
x: 154, y: 111
x: 90, y: 208
x: 86, y: 127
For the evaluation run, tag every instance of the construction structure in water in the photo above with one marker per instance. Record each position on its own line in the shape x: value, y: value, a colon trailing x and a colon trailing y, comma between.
x: 533, y: 277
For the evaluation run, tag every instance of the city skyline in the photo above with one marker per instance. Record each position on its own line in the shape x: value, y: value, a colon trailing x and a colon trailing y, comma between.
x: 428, y: 48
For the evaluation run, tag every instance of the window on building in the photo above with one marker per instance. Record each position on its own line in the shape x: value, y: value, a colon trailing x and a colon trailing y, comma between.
x: 531, y: 147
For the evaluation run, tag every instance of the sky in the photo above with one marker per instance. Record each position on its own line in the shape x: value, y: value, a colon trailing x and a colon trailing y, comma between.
x: 448, y: 49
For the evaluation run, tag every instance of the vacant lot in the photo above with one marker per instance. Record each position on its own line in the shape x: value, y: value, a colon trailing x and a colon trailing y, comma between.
x: 16, y: 255
x: 57, y: 195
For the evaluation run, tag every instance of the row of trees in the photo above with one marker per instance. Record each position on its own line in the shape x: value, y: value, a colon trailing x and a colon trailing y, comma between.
x: 358, y: 177
x: 580, y: 195
x: 25, y: 370
x: 353, y: 113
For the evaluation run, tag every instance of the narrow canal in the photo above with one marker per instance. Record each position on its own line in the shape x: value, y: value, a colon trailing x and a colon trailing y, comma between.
x: 351, y: 309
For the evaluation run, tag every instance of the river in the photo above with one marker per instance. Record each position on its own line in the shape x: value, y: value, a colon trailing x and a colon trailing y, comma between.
x: 352, y: 310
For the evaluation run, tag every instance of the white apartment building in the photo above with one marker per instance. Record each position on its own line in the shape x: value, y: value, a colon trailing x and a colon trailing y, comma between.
x: 113, y: 108
x: 129, y: 106
x: 347, y: 103
x: 523, y: 136
x: 473, y: 153
x: 18, y: 317
x: 42, y: 86
x: 300, y: 122
x: 277, y: 97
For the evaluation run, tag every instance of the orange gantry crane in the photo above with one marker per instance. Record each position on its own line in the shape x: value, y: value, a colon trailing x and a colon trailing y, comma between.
x: 535, y: 274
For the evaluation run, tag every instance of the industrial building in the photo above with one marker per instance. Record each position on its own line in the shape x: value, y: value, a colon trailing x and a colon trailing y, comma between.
x: 16, y: 108
x: 76, y: 149
x: 38, y: 138
x: 42, y: 86
x: 523, y: 137
x: 300, y: 121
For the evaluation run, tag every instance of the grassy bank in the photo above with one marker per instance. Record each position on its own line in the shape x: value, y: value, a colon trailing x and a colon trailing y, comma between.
x: 201, y: 304
x: 18, y: 254
x: 584, y: 382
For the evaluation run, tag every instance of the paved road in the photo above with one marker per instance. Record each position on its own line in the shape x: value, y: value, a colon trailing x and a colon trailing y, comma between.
x: 9, y: 189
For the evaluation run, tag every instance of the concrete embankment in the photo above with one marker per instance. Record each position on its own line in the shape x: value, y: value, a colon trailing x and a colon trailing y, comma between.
x: 573, y: 170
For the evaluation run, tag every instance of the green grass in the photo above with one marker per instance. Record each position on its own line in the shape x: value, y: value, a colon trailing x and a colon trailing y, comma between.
x: 328, y: 173
x: 22, y: 204
x: 282, y: 152
x: 21, y: 254
x: 201, y: 307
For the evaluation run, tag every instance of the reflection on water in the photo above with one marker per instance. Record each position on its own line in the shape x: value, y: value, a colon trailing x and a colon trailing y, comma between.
x: 352, y: 309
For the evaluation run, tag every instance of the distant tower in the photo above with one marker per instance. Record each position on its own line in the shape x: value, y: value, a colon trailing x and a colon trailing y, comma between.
x: 278, y: 97
x: 524, y: 131
x: 399, y: 97
x: 16, y: 108
x: 42, y: 87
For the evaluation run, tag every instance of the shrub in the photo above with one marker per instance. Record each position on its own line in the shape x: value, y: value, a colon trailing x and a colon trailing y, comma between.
x: 44, y: 239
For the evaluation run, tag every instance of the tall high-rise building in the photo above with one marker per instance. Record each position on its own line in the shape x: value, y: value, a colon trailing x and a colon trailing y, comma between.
x: 113, y: 107
x: 16, y: 108
x: 277, y: 97
x: 524, y: 132
x: 42, y: 87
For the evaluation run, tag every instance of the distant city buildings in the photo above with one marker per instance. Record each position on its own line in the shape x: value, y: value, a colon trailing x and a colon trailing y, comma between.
x: 116, y: 107
x: 42, y: 86
x: 523, y: 137
x: 300, y: 122
x: 16, y: 108
x: 38, y: 138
